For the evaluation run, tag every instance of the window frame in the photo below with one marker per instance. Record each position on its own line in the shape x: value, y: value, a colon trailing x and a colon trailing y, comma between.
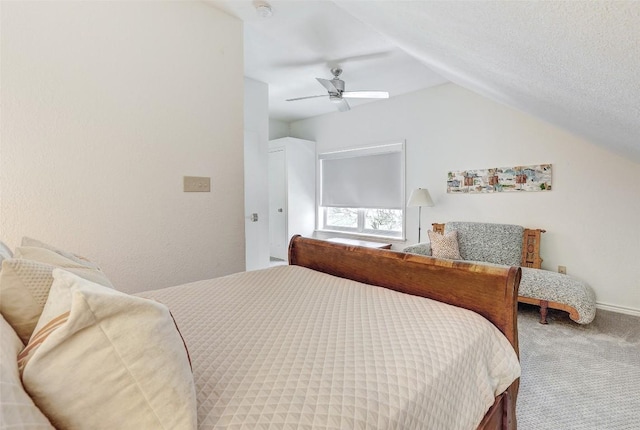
x: 360, y: 230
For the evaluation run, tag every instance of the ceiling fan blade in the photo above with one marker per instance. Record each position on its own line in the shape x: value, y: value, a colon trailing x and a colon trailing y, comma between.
x: 366, y: 94
x: 328, y: 85
x: 335, y: 62
x: 343, y: 106
x: 307, y: 97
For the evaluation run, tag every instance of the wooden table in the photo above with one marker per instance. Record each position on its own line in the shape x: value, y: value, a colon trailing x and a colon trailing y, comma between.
x: 355, y: 242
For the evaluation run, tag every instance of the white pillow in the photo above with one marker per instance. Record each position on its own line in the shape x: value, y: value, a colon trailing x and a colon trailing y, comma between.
x: 25, y: 283
x: 5, y: 252
x: 27, y: 241
x: 101, y: 359
x: 17, y: 410
x: 43, y: 255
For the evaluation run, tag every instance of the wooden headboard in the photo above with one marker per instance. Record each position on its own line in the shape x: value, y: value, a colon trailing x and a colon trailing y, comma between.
x: 530, y: 245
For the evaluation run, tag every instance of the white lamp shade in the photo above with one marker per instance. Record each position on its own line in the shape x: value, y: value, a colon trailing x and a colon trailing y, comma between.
x: 420, y: 197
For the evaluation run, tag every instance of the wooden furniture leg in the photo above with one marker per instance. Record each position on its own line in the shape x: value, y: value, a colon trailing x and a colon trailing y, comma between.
x: 573, y: 312
x: 544, y: 308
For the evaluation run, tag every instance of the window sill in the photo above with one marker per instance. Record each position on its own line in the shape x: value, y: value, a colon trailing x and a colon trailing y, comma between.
x: 325, y: 234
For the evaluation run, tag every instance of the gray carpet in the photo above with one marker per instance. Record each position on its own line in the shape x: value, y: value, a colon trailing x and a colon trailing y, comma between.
x: 579, y: 377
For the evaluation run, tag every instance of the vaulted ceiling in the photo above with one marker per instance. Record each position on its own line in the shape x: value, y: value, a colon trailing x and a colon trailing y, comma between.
x: 575, y: 64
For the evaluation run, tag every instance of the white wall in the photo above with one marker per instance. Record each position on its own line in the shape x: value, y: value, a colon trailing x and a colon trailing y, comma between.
x: 105, y: 106
x: 256, y: 176
x: 591, y: 216
x: 278, y: 129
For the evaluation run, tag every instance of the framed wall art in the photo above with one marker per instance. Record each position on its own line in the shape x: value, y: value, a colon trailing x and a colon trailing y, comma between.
x: 501, y: 179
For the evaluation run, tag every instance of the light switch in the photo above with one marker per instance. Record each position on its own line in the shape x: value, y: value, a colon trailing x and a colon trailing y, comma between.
x: 197, y: 184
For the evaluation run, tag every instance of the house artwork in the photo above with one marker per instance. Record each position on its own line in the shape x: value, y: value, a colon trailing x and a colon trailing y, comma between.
x: 501, y: 179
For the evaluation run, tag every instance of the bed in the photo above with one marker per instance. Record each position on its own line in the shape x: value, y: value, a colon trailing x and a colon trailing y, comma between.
x: 319, y: 344
x: 288, y: 348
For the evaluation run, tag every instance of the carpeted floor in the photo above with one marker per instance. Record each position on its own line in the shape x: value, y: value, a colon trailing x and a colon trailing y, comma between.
x: 579, y: 377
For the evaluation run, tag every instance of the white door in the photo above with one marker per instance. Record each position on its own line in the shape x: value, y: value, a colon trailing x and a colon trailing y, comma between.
x: 277, y: 205
x: 256, y: 205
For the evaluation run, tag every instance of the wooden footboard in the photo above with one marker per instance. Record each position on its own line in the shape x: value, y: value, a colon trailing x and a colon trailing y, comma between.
x: 490, y: 291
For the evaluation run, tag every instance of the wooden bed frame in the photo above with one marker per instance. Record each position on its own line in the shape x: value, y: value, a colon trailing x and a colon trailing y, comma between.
x: 490, y: 291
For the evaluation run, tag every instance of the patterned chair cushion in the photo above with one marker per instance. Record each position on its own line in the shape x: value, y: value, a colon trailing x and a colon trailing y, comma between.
x: 491, y: 243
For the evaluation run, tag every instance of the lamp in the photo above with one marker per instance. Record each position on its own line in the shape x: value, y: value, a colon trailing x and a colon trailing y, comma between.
x: 420, y: 197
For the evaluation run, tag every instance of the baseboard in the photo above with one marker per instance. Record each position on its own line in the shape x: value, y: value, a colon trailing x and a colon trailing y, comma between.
x: 619, y: 309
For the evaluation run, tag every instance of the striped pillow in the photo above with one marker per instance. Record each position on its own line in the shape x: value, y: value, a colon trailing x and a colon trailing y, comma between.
x: 445, y: 245
x: 122, y: 355
x: 38, y: 338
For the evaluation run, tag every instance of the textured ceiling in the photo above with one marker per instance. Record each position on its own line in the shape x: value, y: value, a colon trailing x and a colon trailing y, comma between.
x: 575, y: 64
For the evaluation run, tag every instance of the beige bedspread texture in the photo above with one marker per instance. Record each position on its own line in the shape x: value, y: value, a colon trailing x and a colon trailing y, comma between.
x: 291, y: 348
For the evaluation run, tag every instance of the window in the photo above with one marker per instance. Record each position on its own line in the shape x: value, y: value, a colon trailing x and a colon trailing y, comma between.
x: 362, y: 191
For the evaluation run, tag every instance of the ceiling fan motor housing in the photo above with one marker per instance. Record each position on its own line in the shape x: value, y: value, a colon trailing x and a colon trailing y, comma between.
x: 339, y: 84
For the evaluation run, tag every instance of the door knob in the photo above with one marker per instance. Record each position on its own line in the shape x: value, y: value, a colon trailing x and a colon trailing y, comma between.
x: 280, y: 210
x: 254, y: 217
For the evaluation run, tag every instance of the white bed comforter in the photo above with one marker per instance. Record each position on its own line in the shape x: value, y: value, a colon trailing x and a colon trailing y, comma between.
x: 291, y: 348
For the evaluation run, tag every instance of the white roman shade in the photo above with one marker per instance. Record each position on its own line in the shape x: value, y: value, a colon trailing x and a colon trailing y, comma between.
x: 363, y: 178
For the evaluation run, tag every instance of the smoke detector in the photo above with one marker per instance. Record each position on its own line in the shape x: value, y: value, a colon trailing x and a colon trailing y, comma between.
x: 263, y: 9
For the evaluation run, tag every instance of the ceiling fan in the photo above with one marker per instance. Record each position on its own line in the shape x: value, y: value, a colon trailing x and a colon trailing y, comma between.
x: 337, y: 94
